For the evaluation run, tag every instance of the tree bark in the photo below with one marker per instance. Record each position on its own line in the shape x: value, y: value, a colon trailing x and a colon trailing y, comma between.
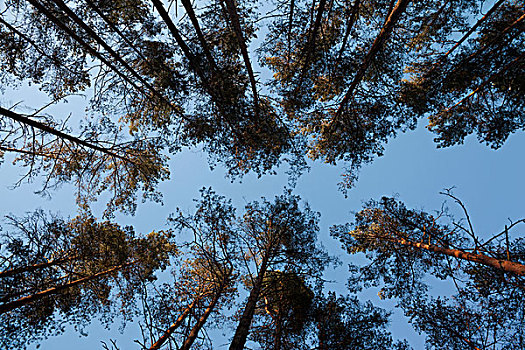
x: 378, y: 43
x: 234, y: 18
x: 174, y: 326
x: 22, y: 269
x: 243, y: 328
x: 202, y: 320
x: 193, y: 18
x: 503, y: 265
x: 40, y: 295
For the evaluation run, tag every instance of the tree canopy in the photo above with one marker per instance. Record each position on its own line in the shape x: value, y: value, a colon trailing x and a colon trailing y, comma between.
x: 259, y: 88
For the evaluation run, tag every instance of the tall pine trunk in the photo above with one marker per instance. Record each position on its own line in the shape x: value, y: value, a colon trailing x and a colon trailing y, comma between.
x: 377, y: 45
x: 202, y: 320
x: 243, y: 328
x: 174, y: 326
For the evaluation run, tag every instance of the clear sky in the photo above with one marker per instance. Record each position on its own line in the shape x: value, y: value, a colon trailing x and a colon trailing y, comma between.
x: 490, y: 182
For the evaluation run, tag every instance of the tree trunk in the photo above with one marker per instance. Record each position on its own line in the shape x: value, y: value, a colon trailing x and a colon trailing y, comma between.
x: 243, y: 328
x: 349, y: 26
x: 278, y: 334
x: 376, y: 46
x: 504, y: 265
x: 236, y: 23
x: 202, y: 320
x: 107, y: 47
x: 193, y: 61
x: 310, y: 44
x: 193, y: 18
x: 174, y: 326
x: 22, y: 269
x: 40, y: 295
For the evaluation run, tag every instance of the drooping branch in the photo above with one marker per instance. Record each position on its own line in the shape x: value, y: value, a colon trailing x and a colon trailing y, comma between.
x: 46, y: 128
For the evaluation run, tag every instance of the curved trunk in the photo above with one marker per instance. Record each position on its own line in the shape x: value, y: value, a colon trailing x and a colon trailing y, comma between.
x: 243, y: 328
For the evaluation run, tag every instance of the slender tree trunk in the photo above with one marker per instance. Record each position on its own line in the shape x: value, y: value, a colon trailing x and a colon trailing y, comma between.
x: 349, y: 26
x: 442, y: 59
x: 503, y: 265
x: 310, y: 44
x: 117, y: 30
x: 55, y: 290
x: 243, y: 328
x: 34, y: 44
x: 117, y: 57
x: 174, y: 326
x: 480, y: 87
x: 193, y: 18
x: 379, y: 41
x: 278, y: 334
x: 236, y: 23
x: 193, y: 61
x: 202, y: 320
x: 22, y: 269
